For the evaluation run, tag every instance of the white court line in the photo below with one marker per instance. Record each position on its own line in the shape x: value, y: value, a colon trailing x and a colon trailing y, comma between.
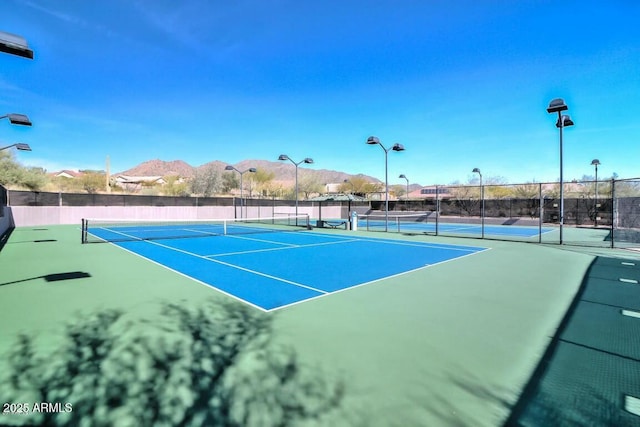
x: 448, y: 246
x: 208, y: 285
x: 632, y: 405
x: 130, y: 236
x: 459, y: 227
x: 280, y: 249
x: 633, y: 281
x: 405, y: 242
x: 630, y: 313
x: 248, y: 270
x: 235, y: 236
x: 342, y: 239
x: 208, y: 233
x: 378, y: 280
x: 375, y: 280
x: 428, y: 245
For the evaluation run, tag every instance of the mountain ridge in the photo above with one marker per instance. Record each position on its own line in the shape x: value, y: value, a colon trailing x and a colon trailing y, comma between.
x: 283, y: 171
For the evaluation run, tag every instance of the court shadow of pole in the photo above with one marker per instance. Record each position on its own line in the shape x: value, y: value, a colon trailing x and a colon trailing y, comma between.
x: 56, y: 277
x: 582, y: 378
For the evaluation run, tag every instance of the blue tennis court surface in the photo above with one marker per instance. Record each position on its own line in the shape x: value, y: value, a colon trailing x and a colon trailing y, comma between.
x: 275, y: 270
x: 408, y: 226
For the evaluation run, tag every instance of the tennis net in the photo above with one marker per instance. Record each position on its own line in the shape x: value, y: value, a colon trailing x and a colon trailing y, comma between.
x: 122, y: 230
x: 395, y: 222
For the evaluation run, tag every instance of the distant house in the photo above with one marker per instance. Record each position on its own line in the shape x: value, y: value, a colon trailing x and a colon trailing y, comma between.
x: 430, y: 192
x: 333, y: 187
x: 66, y: 173
x: 135, y: 183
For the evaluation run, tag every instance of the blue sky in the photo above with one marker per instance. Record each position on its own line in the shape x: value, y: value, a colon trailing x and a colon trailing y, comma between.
x: 461, y: 84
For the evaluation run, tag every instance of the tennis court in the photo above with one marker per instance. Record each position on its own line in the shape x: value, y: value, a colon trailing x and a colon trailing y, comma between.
x: 410, y: 223
x: 271, y: 263
x: 457, y: 343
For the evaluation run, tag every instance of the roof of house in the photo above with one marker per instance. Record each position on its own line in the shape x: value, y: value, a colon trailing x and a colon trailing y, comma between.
x: 67, y: 173
x: 137, y: 179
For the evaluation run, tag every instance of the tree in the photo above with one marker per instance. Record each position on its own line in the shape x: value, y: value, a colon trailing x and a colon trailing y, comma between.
x: 263, y: 180
x: 13, y: 173
x: 230, y: 181
x: 63, y: 183
x: 551, y: 191
x: 308, y: 184
x: 498, y: 191
x: 398, y: 190
x: 92, y: 182
x: 467, y: 198
x: 33, y: 178
x: 175, y: 186
x: 206, y: 182
x: 360, y: 186
x: 624, y: 188
x: 278, y: 190
x: 213, y: 365
x: 527, y: 191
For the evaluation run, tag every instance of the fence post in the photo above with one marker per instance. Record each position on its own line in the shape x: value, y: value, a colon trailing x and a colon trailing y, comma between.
x: 614, y: 212
x: 482, y: 208
x: 437, y: 208
x: 540, y: 212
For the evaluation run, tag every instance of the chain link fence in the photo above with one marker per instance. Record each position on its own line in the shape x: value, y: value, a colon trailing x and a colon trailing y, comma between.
x: 603, y: 213
x: 599, y: 214
x: 41, y: 198
x: 3, y: 200
x: 626, y: 213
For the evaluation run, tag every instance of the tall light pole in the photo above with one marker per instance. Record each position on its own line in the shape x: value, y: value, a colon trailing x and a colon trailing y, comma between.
x: 19, y: 146
x: 405, y: 177
x: 231, y: 168
x: 14, y: 45
x: 595, y: 163
x: 372, y: 140
x: 307, y: 160
x: 477, y: 170
x: 558, y: 106
x: 17, y: 119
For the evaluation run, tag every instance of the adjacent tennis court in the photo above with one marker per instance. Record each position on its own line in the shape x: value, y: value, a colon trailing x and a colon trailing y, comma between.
x: 270, y: 263
x: 425, y: 223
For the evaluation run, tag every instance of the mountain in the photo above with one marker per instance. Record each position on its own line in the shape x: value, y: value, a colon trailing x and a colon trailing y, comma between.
x: 283, y: 171
x: 161, y: 168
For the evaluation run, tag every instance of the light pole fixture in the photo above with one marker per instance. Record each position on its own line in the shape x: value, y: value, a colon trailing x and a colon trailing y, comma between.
x: 595, y: 163
x: 231, y: 168
x: 17, y: 119
x: 14, y: 45
x: 306, y: 160
x: 405, y: 177
x: 477, y: 170
x: 558, y: 106
x: 21, y: 146
x: 373, y: 140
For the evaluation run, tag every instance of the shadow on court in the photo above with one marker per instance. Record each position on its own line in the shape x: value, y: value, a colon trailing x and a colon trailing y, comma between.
x: 4, y: 237
x: 210, y: 365
x: 57, y: 277
x: 589, y: 373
